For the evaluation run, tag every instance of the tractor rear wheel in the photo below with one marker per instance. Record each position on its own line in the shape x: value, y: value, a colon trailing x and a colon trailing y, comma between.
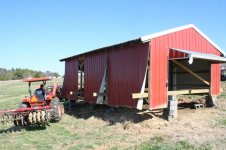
x: 56, y: 113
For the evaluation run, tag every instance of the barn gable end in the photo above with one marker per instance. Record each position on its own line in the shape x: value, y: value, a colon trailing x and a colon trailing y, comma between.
x: 188, y: 39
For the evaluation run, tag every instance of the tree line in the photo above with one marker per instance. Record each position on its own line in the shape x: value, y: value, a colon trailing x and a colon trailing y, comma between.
x: 18, y: 73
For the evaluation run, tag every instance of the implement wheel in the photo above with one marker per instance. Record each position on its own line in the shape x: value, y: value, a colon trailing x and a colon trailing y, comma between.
x: 56, y: 113
x: 19, y: 122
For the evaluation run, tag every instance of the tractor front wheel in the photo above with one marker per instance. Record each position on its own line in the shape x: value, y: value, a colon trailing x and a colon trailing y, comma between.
x: 56, y: 113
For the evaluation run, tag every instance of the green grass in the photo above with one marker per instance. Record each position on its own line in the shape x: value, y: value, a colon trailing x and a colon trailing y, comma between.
x: 222, y: 122
x: 72, y: 132
x: 37, y: 138
x: 222, y: 95
x: 69, y: 133
x: 158, y: 143
x: 50, y: 137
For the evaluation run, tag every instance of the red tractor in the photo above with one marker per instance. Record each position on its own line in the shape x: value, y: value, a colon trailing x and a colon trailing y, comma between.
x: 37, y: 108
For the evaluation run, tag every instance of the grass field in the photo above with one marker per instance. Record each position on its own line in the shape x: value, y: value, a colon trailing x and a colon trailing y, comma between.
x: 108, y: 128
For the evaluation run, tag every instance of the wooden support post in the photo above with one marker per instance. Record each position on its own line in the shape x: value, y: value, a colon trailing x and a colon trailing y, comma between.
x: 191, y: 72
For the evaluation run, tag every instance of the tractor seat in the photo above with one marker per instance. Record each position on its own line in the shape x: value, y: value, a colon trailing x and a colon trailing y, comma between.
x: 39, y: 95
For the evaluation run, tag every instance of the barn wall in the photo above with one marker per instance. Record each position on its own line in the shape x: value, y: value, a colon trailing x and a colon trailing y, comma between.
x: 188, y: 39
x: 70, y: 79
x: 126, y: 71
x: 94, y: 66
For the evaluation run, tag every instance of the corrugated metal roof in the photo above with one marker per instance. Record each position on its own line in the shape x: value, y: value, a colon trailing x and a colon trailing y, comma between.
x: 106, y: 48
x: 148, y: 38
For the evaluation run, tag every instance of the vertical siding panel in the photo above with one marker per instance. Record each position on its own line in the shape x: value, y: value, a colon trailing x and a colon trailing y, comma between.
x: 199, y: 43
x: 152, y: 78
x: 165, y: 73
x: 203, y: 46
x: 170, y: 44
x: 161, y: 67
x: 70, y: 80
x: 94, y: 66
x: 192, y: 38
x: 179, y: 42
x: 174, y: 43
x: 205, y: 49
x: 158, y: 72
x: 126, y: 70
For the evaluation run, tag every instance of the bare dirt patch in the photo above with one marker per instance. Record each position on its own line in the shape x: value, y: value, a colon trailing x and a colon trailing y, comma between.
x: 200, y: 127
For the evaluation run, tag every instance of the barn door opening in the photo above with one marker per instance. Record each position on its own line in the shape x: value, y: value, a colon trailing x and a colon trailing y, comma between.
x: 183, y: 76
x: 81, y: 78
x: 190, y: 72
x: 102, y: 95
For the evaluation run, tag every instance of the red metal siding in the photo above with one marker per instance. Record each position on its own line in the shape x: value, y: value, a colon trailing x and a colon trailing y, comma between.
x: 126, y: 71
x: 215, y: 79
x: 187, y: 39
x: 70, y: 80
x: 94, y: 66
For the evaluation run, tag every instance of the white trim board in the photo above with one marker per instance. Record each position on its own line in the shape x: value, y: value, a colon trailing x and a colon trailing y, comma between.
x: 151, y: 36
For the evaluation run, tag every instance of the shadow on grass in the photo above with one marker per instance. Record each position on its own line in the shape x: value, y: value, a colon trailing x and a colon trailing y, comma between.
x: 112, y: 115
x: 21, y: 128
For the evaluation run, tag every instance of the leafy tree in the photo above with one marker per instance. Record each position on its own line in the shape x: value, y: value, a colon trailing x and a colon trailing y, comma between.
x: 18, y: 73
x: 38, y: 74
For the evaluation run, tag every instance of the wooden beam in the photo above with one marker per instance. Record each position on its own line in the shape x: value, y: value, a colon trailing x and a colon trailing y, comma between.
x: 191, y: 72
x: 177, y: 92
x: 139, y: 95
x: 190, y: 91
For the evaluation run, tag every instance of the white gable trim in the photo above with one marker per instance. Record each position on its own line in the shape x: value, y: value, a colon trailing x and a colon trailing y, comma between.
x: 149, y: 37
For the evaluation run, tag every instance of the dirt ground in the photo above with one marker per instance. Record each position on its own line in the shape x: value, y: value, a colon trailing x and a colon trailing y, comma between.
x: 201, y: 127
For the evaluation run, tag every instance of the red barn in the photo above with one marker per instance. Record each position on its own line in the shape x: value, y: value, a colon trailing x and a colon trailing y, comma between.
x: 182, y: 60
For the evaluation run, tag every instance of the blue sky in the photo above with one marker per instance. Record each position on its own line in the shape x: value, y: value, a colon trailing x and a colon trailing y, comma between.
x: 36, y: 34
